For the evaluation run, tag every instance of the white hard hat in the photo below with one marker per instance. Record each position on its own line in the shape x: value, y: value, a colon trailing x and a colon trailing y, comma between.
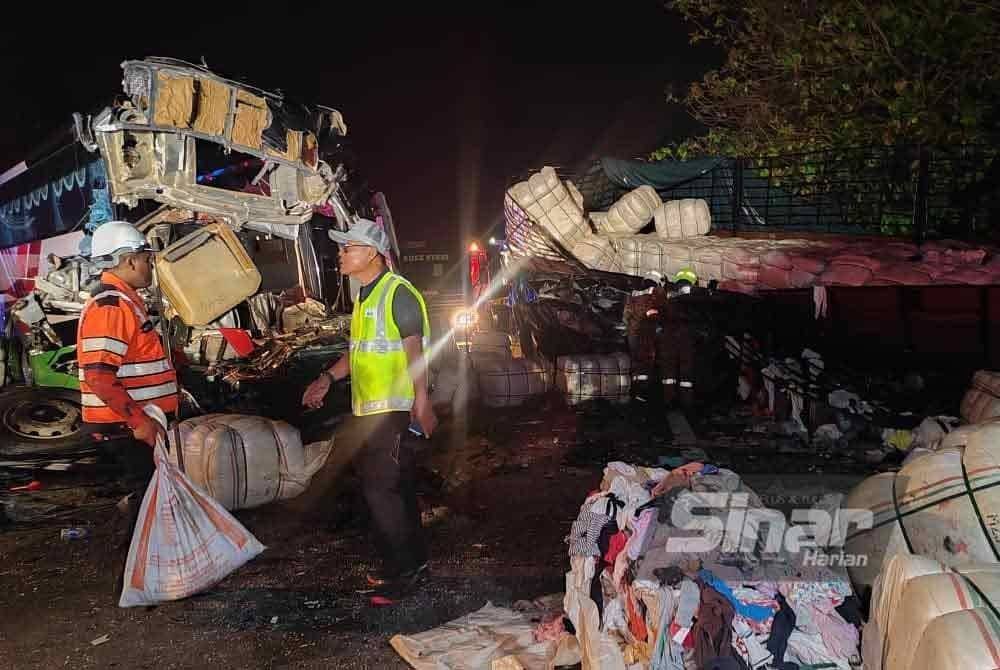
x: 114, y: 238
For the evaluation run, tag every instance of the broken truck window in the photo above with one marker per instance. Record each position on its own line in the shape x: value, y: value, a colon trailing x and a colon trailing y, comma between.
x: 234, y: 171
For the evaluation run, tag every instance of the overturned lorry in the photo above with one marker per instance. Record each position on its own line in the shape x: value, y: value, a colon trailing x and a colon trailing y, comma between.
x: 235, y: 186
x: 584, y: 253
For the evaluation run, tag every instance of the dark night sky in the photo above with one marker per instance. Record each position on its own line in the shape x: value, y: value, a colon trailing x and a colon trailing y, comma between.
x: 442, y: 110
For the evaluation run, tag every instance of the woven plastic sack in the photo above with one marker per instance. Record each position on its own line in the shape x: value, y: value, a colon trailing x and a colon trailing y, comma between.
x: 742, y: 273
x: 902, y: 273
x: 967, y: 276
x: 184, y: 541
x: 845, y: 275
x: 737, y: 286
x: 945, y: 506
x: 813, y: 264
x: 929, y: 597
x: 857, y: 260
x: 982, y: 400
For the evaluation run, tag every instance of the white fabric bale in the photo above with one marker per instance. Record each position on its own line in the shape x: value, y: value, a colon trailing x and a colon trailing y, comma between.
x: 548, y: 202
x: 245, y: 461
x: 574, y: 193
x: 600, y: 222
x: 642, y: 255
x: 586, y: 378
x: 492, y: 343
x: 511, y: 382
x: 633, y: 211
x: 928, y: 597
x: 597, y: 253
x: 931, y: 507
x: 982, y: 401
x: 707, y: 263
x: 680, y: 219
x: 963, y: 640
x: 887, y: 591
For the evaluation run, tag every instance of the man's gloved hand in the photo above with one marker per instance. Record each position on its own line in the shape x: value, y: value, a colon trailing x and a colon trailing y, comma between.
x: 148, y: 431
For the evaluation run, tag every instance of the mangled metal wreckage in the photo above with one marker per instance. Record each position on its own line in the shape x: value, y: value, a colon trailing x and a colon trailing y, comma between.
x: 236, y: 187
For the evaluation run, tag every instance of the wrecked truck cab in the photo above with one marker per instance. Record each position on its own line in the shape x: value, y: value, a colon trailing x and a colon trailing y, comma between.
x: 235, y: 186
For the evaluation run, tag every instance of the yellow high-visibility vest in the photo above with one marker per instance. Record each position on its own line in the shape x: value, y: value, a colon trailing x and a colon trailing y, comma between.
x: 380, y: 380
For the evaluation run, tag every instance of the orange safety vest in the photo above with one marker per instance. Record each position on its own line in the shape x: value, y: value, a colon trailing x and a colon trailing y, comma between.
x: 116, y: 335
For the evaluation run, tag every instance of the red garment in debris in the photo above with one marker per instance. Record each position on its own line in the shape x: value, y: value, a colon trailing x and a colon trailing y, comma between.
x: 615, y: 546
x: 636, y: 624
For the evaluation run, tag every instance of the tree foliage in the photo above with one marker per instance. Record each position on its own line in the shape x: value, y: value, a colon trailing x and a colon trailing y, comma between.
x: 811, y: 74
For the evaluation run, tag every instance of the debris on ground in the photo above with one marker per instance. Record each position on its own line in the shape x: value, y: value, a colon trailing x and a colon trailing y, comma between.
x: 491, y: 637
x: 646, y: 593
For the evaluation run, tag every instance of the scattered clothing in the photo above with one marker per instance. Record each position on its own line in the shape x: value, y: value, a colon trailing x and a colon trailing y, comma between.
x: 585, y: 532
x: 750, y: 611
x: 667, y: 653
x: 781, y: 628
x: 636, y: 618
x: 669, y: 576
x: 552, y: 628
x: 616, y: 545
x: 638, y: 541
x: 748, y: 646
x: 850, y: 610
x: 724, y: 664
x: 678, y: 477
x: 713, y: 630
x: 687, y: 604
x: 839, y: 637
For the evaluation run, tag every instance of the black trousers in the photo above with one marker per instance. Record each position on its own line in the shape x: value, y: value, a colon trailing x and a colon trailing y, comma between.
x: 386, y: 463
x: 676, y: 354
x: 135, y: 459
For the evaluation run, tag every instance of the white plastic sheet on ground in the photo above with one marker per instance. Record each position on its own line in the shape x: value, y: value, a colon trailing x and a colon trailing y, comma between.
x: 184, y: 541
x: 488, y: 639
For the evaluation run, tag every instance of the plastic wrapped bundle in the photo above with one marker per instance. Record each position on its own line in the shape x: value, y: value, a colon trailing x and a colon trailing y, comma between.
x: 680, y: 219
x: 600, y: 377
x: 633, y: 211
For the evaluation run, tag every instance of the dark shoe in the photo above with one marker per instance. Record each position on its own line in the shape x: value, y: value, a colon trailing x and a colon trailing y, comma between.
x: 405, y: 578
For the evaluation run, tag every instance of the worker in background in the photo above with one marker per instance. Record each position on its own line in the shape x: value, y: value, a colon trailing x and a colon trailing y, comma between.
x: 390, y: 332
x: 123, y: 366
x: 676, y: 352
x: 642, y: 325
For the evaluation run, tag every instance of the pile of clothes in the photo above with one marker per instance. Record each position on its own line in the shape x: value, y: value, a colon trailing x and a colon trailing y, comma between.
x: 649, y: 589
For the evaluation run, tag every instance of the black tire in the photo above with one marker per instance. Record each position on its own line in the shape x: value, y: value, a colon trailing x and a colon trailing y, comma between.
x: 42, y: 423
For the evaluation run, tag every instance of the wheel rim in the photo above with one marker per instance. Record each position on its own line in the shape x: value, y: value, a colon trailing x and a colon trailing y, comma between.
x: 43, y: 418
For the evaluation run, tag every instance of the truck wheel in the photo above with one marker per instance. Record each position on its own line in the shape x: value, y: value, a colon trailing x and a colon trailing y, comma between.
x: 42, y: 422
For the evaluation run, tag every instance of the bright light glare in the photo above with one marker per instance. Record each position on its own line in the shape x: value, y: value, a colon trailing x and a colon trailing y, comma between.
x: 464, y: 318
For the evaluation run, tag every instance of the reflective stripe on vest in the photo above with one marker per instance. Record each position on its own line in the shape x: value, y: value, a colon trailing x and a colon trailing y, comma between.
x: 380, y: 376
x: 140, y: 364
x: 141, y: 394
x: 128, y: 370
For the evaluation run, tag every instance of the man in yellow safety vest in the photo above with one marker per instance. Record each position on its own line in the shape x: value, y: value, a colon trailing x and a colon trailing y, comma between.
x: 390, y: 333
